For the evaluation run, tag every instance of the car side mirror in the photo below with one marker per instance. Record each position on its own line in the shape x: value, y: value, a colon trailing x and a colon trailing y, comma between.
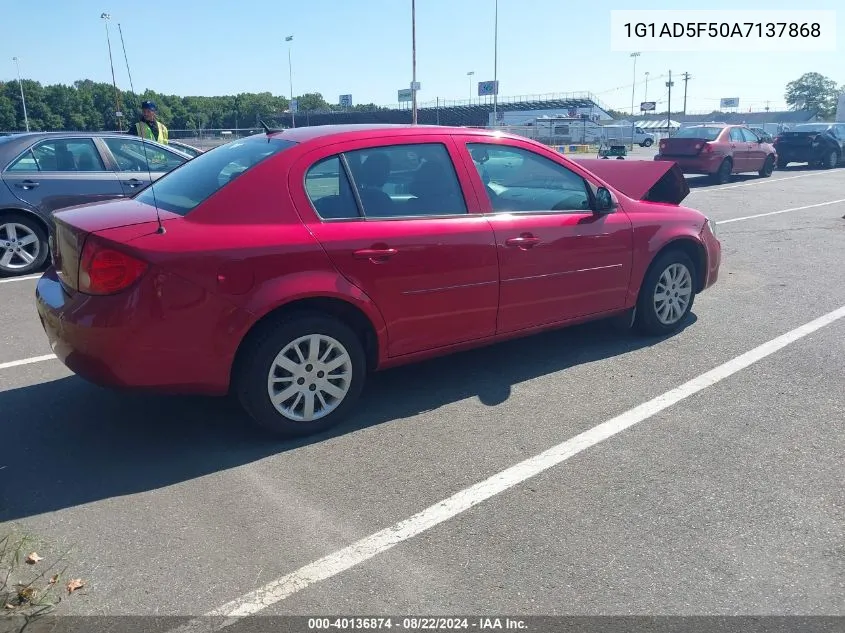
x: 605, y: 201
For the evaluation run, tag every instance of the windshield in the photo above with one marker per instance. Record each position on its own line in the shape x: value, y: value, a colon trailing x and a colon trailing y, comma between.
x: 181, y: 190
x: 811, y: 127
x: 704, y: 133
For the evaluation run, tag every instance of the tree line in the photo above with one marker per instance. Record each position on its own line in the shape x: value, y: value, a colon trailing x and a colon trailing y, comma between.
x: 89, y: 105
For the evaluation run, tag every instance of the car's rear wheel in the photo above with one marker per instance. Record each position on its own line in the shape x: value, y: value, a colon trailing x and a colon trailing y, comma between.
x: 831, y: 160
x: 647, y: 143
x: 768, y: 167
x: 782, y: 163
x: 667, y: 294
x: 723, y: 174
x: 23, y: 245
x: 301, y: 374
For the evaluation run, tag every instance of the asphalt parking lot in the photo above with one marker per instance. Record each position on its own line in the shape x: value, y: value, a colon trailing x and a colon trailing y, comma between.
x: 722, y: 498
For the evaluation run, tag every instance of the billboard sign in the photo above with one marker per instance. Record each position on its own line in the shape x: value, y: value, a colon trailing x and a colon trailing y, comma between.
x: 405, y: 95
x: 729, y: 102
x: 345, y: 101
x: 488, y: 88
x: 648, y: 106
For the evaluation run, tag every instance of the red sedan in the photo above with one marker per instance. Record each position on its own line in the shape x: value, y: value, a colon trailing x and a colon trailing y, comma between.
x: 718, y: 151
x: 285, y: 267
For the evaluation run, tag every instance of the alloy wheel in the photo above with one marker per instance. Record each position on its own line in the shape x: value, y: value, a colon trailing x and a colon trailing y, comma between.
x: 19, y: 246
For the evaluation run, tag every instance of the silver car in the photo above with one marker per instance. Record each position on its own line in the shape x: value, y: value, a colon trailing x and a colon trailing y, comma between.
x: 42, y: 172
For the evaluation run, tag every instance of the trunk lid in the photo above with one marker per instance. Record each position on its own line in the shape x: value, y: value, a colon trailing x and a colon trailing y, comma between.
x: 682, y: 146
x: 797, y: 139
x: 650, y: 181
x: 72, y: 226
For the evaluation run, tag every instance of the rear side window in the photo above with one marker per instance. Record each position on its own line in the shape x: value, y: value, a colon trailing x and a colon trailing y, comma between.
x: 60, y: 155
x: 736, y: 135
x: 181, y: 190
x: 392, y: 181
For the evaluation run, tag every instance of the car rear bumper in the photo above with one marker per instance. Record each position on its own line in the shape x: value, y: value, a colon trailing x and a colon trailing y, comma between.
x: 116, y: 341
x: 798, y: 154
x: 708, y: 164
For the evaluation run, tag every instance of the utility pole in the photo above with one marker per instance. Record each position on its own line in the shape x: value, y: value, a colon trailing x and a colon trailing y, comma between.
x: 633, y: 88
x: 669, y: 85
x: 686, y: 80
x: 117, y: 113
x: 414, y: 61
x: 291, y: 107
x: 23, y: 98
x: 767, y: 106
x: 496, y: 65
x: 645, y: 94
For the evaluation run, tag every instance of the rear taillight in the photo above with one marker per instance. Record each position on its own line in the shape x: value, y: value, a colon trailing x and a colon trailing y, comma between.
x: 105, y: 271
x: 707, y: 148
x: 662, y: 144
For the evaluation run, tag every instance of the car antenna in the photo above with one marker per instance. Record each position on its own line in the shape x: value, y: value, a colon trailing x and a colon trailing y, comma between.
x: 160, y: 230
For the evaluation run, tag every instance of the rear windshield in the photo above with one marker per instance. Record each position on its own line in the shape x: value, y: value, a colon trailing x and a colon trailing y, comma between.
x: 181, y: 190
x: 810, y: 127
x: 703, y: 133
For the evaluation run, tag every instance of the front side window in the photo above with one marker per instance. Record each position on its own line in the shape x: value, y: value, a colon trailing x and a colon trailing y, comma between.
x: 60, y: 155
x: 750, y: 136
x: 520, y: 181
x: 181, y: 190
x: 406, y: 181
x: 135, y: 155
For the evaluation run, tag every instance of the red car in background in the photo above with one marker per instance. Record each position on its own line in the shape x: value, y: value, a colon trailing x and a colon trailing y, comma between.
x: 286, y: 266
x: 718, y: 151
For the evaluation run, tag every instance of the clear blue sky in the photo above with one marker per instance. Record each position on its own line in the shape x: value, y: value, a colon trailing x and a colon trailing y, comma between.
x: 363, y: 47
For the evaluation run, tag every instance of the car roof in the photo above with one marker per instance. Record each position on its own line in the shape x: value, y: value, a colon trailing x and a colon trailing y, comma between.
x: 350, y: 131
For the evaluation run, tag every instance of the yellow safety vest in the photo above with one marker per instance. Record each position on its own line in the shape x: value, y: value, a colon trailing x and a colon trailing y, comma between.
x: 144, y: 131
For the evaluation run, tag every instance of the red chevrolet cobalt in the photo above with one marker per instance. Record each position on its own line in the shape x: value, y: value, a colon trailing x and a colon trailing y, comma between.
x: 285, y: 267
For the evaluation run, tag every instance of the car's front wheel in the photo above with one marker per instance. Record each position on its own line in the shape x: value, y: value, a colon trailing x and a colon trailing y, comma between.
x: 647, y: 143
x: 23, y: 245
x: 301, y: 374
x: 667, y: 294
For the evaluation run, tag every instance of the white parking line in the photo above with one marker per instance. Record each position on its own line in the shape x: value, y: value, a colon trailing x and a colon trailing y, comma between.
x: 27, y: 361
x: 762, y: 215
x: 762, y: 181
x: 24, y: 278
x: 462, y: 501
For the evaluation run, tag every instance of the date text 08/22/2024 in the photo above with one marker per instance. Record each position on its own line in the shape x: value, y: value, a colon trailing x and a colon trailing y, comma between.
x: 416, y: 623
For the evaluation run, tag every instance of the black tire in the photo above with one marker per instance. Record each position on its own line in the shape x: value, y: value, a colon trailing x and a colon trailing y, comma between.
x: 782, y: 163
x: 768, y: 167
x: 647, y: 320
x: 647, y: 143
x: 256, y: 359
x: 723, y: 174
x: 16, y: 266
x: 831, y: 160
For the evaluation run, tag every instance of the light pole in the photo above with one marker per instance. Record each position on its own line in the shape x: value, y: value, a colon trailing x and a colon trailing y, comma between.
x: 645, y: 94
x: 633, y: 88
x: 117, y: 113
x: 413, y: 62
x: 470, y: 74
x: 23, y: 99
x: 289, y: 39
x: 496, y: 65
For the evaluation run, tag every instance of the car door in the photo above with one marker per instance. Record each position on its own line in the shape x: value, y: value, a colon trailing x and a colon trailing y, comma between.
x: 558, y: 260
x: 755, y: 152
x: 138, y: 162
x: 739, y: 149
x: 393, y: 217
x: 61, y: 172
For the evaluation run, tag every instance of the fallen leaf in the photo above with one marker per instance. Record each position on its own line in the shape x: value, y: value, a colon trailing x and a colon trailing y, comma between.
x: 9, y: 605
x: 33, y: 558
x: 73, y: 585
x: 27, y: 594
x: 54, y: 579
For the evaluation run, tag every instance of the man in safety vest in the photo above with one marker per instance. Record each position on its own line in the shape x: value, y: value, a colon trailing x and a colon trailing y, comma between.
x: 149, y: 127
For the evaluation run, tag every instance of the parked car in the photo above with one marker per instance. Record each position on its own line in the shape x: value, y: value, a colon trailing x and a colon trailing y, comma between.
x: 190, y: 150
x: 42, y: 172
x: 286, y: 266
x: 818, y: 144
x: 718, y: 151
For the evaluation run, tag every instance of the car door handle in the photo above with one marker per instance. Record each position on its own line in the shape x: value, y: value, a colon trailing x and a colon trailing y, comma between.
x: 523, y: 241
x: 27, y: 184
x: 733, y: 146
x: 375, y: 254
x: 134, y: 182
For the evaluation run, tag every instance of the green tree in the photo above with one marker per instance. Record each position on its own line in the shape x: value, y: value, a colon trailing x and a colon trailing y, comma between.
x: 813, y: 92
